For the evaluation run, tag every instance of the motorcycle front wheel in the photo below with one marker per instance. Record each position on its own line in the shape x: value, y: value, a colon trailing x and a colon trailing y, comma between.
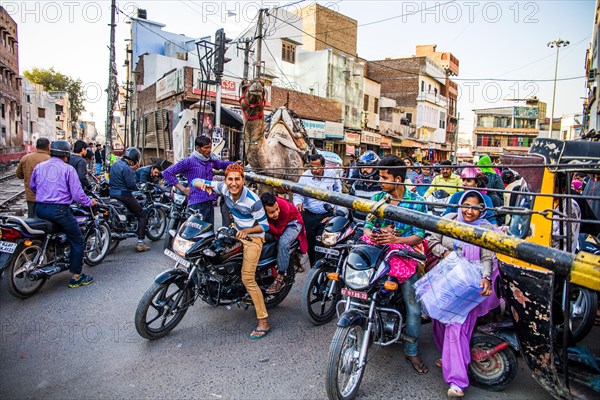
x: 344, y: 374
x: 156, y: 223
x: 97, y: 244
x: 161, y: 309
x: 16, y: 275
x: 583, y: 308
x: 316, y: 303
x: 497, y: 372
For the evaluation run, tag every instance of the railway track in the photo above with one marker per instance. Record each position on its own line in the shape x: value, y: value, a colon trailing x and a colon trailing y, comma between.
x: 12, y: 195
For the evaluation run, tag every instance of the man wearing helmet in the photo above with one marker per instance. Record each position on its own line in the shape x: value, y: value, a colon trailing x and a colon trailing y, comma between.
x: 369, y: 183
x: 472, y: 177
x: 56, y: 185
x: 123, y: 183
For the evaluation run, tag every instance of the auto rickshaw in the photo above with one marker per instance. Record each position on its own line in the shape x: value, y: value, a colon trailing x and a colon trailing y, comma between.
x: 538, y: 298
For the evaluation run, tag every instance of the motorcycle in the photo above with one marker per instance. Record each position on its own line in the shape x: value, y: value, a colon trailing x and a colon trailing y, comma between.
x: 35, y: 249
x: 370, y: 316
x: 123, y: 223
x: 208, y: 267
x: 319, y: 294
x: 176, y: 216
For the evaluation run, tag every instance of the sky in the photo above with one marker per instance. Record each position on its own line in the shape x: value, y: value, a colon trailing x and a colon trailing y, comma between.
x: 501, y: 40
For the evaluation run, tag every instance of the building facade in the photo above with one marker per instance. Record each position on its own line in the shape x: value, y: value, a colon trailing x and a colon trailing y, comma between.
x: 591, y: 104
x: 420, y: 86
x: 39, y: 113
x: 11, y: 128
x: 501, y: 129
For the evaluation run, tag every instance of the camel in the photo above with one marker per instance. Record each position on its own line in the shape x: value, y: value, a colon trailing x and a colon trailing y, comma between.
x: 280, y: 150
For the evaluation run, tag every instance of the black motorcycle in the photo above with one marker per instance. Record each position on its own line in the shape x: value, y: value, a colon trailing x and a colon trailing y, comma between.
x: 208, y: 267
x: 371, y: 316
x: 34, y: 249
x: 177, y: 214
x: 124, y: 224
x: 320, y: 295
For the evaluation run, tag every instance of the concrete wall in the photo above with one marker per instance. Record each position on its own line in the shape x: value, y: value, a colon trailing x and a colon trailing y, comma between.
x: 35, y: 126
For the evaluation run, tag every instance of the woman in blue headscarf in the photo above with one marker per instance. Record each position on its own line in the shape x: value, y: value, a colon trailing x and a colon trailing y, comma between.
x: 454, y: 339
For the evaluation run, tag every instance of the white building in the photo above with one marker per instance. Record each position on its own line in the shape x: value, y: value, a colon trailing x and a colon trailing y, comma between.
x: 38, y: 113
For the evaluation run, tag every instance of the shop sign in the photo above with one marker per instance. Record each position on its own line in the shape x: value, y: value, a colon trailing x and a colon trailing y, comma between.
x: 314, y: 129
x: 169, y: 85
x: 334, y: 130
x: 353, y: 138
x: 350, y: 149
x: 370, y: 138
x: 230, y: 88
x: 386, y: 142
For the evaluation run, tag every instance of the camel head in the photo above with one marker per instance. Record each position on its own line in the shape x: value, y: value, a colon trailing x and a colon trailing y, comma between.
x: 253, y: 100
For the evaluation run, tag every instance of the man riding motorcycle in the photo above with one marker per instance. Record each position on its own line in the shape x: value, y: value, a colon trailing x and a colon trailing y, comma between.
x: 122, y: 184
x: 369, y: 185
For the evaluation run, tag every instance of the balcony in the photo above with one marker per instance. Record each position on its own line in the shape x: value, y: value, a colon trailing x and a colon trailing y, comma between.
x: 433, y: 99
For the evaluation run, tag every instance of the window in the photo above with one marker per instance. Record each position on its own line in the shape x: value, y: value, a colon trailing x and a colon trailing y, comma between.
x: 443, y: 120
x: 422, y: 86
x: 429, y: 89
x: 3, y: 110
x: 288, y: 52
x: 347, y: 110
x: 435, y: 91
x: 376, y: 106
x: 41, y: 112
x: 366, y: 101
x: 409, y: 117
x: 29, y: 98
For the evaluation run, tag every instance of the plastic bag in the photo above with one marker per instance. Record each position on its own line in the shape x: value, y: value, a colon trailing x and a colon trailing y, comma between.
x: 451, y: 289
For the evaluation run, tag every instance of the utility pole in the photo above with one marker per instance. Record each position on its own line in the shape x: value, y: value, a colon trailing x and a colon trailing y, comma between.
x: 558, y: 44
x: 259, y: 43
x: 456, y: 139
x: 246, y: 59
x: 112, y: 83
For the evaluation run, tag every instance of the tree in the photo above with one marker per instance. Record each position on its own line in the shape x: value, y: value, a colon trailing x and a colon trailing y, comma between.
x: 52, y: 81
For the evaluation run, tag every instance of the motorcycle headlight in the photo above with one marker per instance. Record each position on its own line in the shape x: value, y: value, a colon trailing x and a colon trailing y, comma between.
x: 330, y: 238
x: 179, y: 199
x: 181, y: 246
x: 357, y: 280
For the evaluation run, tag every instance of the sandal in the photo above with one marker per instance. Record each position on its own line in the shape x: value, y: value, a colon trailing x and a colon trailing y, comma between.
x: 276, y: 286
x: 419, y: 368
x: 438, y: 363
x: 455, y: 393
x: 259, y: 333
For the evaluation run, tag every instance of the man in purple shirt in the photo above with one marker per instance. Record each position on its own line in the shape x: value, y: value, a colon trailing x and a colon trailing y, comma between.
x: 197, y: 166
x: 56, y: 185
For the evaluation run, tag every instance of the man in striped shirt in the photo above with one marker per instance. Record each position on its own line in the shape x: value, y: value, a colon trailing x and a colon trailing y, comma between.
x: 251, y: 222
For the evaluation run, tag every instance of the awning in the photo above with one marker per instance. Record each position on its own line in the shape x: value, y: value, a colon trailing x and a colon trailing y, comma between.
x: 229, y: 118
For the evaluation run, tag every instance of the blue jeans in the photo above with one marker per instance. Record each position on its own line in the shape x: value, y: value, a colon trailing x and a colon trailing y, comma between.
x: 98, y: 168
x: 207, y: 210
x: 62, y: 215
x: 290, y: 233
x: 413, y: 316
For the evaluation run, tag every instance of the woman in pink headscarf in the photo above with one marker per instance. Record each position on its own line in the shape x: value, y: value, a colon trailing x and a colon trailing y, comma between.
x: 454, y: 339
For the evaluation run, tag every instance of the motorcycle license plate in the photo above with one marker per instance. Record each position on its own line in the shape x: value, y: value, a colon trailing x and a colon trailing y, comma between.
x: 177, y: 258
x: 7, y: 247
x: 354, y: 293
x: 332, y: 252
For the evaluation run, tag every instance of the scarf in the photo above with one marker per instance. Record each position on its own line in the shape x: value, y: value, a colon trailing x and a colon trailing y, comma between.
x: 470, y: 251
x: 200, y: 157
x: 484, y: 164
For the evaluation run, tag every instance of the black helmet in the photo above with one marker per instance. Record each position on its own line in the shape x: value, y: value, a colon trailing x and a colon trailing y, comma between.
x: 368, y: 159
x: 60, y: 148
x: 132, y: 154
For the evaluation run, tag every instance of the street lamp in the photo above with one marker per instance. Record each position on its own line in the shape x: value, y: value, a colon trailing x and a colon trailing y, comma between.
x: 558, y: 44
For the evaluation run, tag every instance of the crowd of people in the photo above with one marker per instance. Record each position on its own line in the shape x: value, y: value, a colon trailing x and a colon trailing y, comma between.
x: 56, y: 174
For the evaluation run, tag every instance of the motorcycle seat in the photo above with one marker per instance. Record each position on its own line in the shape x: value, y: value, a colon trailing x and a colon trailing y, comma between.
x: 38, y: 226
x: 269, y: 249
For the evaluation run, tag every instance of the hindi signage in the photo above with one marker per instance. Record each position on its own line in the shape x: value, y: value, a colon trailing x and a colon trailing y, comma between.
x: 169, y: 85
x: 370, y: 138
x: 314, y: 129
x: 353, y: 138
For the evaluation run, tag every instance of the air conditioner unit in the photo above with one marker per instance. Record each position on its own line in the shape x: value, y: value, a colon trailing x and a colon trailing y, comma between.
x: 181, y: 56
